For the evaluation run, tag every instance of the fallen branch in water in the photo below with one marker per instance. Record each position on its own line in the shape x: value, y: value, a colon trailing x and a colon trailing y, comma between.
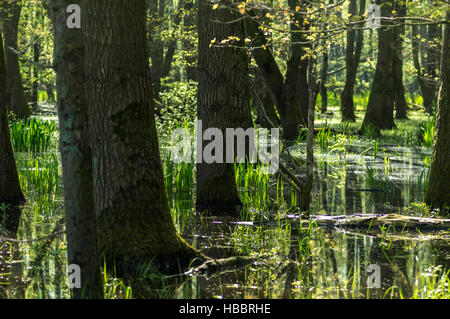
x: 374, y: 221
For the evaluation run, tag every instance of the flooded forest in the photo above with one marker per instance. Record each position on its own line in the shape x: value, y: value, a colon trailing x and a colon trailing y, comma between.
x: 221, y: 149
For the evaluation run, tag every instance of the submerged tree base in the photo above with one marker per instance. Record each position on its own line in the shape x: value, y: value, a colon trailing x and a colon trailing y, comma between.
x: 216, y: 208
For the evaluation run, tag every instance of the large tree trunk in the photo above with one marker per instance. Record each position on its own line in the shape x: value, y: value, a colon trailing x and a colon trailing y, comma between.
x: 439, y: 183
x: 380, y: 109
x: 16, y: 99
x: 133, y: 214
x: 222, y: 91
x: 10, y: 192
x: 76, y: 159
x: 352, y: 57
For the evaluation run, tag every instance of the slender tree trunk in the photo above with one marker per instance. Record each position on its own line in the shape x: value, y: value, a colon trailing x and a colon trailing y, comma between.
x: 76, y: 159
x: 380, y: 109
x: 400, y: 101
x: 424, y: 69
x: 439, y: 183
x: 157, y: 9
x: 432, y: 63
x: 10, y: 192
x: 189, y: 27
x: 262, y: 96
x: 296, y: 90
x: 172, y: 45
x: 222, y: 90
x: 267, y: 66
x: 35, y: 74
x: 353, y: 54
x: 324, y: 73
x: 290, y: 95
x: 133, y: 214
x: 15, y: 94
x: 323, y: 82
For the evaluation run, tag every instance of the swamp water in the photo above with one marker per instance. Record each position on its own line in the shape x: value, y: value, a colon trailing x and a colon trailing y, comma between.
x: 293, y: 261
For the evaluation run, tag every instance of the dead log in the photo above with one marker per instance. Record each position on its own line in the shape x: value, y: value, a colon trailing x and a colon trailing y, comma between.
x: 375, y: 221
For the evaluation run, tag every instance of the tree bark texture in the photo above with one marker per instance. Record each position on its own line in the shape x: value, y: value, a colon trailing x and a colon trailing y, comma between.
x: 75, y: 150
x: 352, y: 57
x: 380, y: 108
x: 438, y: 192
x: 223, y: 102
x: 10, y: 192
x: 133, y: 214
x: 16, y: 99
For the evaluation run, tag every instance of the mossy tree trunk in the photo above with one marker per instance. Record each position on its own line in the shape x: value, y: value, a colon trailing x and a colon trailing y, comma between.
x: 438, y: 192
x: 75, y: 150
x: 223, y: 98
x: 132, y: 209
x: 10, y: 192
x: 15, y: 98
x: 380, y: 108
x: 352, y: 56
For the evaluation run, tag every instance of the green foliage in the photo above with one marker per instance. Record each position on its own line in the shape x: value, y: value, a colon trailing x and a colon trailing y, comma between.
x: 33, y: 135
x: 426, y: 132
x: 35, y: 37
x: 40, y: 174
x: 433, y: 284
x: 115, y: 288
x: 417, y: 209
x: 323, y: 137
x: 371, y: 131
x: 179, y: 105
x: 3, y: 208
